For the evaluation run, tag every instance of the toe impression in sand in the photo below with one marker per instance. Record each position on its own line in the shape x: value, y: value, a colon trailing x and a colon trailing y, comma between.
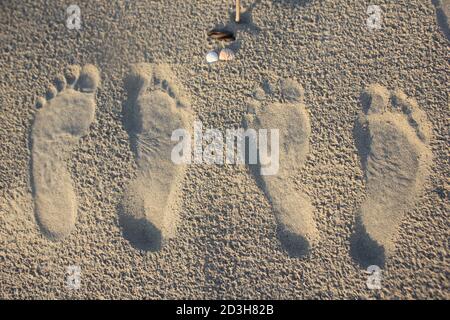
x: 395, y: 153
x: 63, y: 117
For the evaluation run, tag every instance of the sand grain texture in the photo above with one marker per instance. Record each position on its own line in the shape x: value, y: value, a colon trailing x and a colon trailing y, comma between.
x: 226, y: 244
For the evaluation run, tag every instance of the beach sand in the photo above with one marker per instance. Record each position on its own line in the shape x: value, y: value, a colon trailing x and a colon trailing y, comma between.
x: 374, y: 111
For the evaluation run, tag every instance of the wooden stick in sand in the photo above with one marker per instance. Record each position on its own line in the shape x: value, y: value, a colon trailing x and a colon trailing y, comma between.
x: 238, y: 11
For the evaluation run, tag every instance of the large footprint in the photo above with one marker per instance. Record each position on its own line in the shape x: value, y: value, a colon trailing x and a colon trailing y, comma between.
x: 63, y: 118
x: 155, y: 108
x: 395, y: 157
x: 294, y: 212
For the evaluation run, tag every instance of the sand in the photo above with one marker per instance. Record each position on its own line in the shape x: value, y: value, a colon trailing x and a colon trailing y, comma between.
x: 390, y: 191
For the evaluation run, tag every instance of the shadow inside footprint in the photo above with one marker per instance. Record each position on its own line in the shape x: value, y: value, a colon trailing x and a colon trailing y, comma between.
x: 442, y: 17
x: 295, y: 245
x: 362, y: 141
x: 364, y: 250
x: 141, y: 233
x: 130, y: 121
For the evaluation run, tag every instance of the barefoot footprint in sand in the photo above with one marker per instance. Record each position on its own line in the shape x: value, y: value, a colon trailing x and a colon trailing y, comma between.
x: 156, y: 106
x: 395, y: 155
x: 63, y: 118
x: 294, y: 212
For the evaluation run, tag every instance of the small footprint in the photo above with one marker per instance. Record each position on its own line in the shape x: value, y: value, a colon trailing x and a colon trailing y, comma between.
x: 64, y: 116
x: 155, y: 108
x: 394, y: 147
x: 294, y: 212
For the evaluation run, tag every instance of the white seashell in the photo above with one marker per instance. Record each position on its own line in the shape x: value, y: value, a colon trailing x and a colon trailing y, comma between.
x: 226, y: 54
x: 212, y: 57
